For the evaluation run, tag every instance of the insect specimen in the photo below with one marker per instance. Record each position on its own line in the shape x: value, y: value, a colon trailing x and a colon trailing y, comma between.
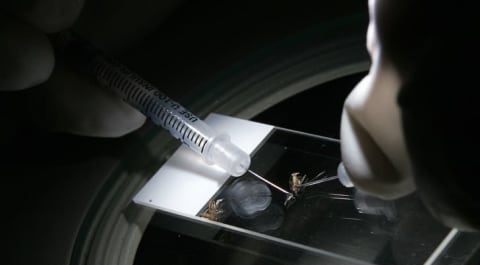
x: 298, y: 182
x: 215, y: 211
x: 295, y: 181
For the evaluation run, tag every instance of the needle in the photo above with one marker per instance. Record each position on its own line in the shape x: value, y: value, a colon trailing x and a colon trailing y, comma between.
x: 318, y: 181
x: 290, y: 196
x: 270, y: 183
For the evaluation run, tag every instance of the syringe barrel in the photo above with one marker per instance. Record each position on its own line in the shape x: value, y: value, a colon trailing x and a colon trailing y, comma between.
x: 182, y: 124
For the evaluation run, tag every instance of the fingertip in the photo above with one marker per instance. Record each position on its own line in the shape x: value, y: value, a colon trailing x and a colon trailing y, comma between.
x: 123, y: 120
x: 47, y: 15
x: 77, y: 105
x: 26, y: 55
x: 367, y: 166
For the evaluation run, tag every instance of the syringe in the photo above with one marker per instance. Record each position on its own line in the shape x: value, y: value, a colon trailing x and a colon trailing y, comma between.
x: 213, y: 147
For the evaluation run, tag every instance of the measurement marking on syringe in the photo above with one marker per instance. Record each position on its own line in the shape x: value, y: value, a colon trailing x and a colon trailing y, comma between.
x: 159, y: 110
x: 173, y: 122
x: 107, y: 75
x: 129, y: 93
x: 103, y: 67
x: 165, y: 119
x: 154, y: 109
x: 131, y: 86
x: 99, y: 69
x: 142, y: 99
x: 138, y: 93
x: 118, y: 78
x: 192, y: 136
x: 162, y: 114
x: 122, y: 82
x: 178, y: 125
x: 170, y: 118
x: 136, y: 88
x: 104, y: 79
x: 135, y: 93
x: 165, y: 116
x: 115, y: 79
x: 196, y: 139
x: 148, y: 104
x: 203, y: 147
x: 147, y: 101
x: 152, y: 105
x: 110, y: 76
x: 124, y: 85
x: 200, y: 144
x: 189, y: 132
x: 182, y: 133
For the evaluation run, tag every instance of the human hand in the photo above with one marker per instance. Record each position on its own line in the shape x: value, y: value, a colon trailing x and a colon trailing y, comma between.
x: 372, y: 142
x: 67, y: 102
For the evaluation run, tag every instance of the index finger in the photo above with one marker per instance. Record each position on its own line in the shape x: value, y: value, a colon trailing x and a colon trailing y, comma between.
x: 47, y: 15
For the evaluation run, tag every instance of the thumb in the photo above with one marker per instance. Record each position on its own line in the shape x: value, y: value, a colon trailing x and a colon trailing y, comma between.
x: 372, y: 145
x: 26, y: 56
x: 47, y: 16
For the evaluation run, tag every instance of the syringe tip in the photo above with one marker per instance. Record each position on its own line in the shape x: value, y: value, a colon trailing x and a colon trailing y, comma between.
x: 228, y: 156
